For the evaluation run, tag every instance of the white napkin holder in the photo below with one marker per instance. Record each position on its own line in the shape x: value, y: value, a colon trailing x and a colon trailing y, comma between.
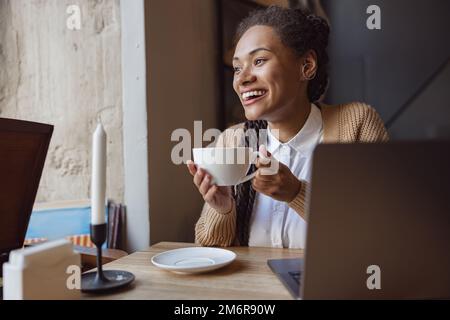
x: 42, y: 272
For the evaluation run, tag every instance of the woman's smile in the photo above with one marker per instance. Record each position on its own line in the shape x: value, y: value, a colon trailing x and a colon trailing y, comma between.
x: 251, y: 96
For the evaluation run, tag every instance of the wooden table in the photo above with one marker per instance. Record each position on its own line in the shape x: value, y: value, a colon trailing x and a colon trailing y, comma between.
x: 248, y: 277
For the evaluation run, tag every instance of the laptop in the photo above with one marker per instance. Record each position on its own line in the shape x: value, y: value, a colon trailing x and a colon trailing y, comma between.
x: 23, y: 149
x: 378, y: 224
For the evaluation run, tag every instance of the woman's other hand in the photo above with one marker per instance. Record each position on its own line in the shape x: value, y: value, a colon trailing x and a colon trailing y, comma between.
x: 281, y: 185
x: 219, y: 198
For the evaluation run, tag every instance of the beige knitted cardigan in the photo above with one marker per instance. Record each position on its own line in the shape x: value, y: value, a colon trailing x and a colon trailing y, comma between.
x: 346, y: 123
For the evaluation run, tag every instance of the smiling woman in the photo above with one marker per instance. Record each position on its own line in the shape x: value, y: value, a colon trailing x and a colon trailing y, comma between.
x: 280, y: 73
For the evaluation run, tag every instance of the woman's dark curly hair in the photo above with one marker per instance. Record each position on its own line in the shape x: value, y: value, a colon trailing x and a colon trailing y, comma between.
x: 301, y: 32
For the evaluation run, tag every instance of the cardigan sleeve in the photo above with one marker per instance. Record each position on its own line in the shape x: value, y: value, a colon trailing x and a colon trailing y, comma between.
x: 214, y: 228
x: 372, y: 128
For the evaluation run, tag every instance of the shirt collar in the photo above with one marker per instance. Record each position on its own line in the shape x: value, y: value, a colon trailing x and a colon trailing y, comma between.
x: 306, y: 139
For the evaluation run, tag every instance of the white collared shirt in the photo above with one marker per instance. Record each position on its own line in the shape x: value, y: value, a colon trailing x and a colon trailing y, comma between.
x: 274, y: 223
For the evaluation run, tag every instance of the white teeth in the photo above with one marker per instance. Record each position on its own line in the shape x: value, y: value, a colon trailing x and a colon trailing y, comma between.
x: 249, y: 94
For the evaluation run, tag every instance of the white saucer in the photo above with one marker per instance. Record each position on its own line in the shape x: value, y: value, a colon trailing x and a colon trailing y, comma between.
x: 193, y: 260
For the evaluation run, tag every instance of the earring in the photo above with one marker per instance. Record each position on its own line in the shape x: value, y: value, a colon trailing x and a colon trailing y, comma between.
x: 304, y: 74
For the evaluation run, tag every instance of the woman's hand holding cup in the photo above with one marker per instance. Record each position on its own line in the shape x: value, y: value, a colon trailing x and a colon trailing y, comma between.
x: 219, y: 198
x: 280, y: 184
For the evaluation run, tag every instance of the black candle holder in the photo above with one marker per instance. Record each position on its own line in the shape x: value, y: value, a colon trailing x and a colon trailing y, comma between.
x: 103, y: 281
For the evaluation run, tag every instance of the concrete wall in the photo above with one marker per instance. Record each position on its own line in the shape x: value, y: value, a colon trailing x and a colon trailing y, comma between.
x: 51, y: 74
x: 182, y: 88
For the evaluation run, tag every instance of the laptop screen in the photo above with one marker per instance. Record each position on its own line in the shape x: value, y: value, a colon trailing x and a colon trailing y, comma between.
x: 23, y: 149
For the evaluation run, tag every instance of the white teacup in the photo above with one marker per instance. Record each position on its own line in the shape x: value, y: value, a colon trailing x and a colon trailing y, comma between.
x: 227, y: 166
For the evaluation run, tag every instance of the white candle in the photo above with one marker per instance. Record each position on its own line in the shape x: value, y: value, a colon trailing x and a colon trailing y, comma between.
x: 98, y: 182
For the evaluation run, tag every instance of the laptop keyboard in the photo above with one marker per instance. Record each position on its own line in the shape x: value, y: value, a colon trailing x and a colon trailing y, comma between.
x: 296, y: 276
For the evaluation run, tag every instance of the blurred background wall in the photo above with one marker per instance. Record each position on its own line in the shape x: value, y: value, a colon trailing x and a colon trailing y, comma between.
x: 402, y: 70
x: 182, y: 88
x: 64, y: 77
